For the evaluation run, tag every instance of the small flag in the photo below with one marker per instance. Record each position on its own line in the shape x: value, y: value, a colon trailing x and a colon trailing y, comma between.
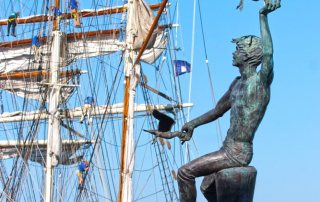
x: 181, y: 67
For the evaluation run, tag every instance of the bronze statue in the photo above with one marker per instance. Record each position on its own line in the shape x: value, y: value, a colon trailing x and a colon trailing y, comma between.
x: 247, y: 98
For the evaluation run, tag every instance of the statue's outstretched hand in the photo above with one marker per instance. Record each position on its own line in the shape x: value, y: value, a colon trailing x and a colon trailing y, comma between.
x: 165, y: 135
x: 187, y: 131
x: 270, y: 7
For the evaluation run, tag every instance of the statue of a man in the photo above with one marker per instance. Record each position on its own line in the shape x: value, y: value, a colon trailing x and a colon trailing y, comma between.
x: 247, y: 98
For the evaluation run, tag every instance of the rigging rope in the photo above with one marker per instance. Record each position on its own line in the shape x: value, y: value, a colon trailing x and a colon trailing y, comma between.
x: 208, y: 69
x: 162, y: 157
x: 100, y: 128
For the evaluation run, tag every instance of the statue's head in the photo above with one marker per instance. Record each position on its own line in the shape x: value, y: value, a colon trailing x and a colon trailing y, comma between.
x: 248, y: 49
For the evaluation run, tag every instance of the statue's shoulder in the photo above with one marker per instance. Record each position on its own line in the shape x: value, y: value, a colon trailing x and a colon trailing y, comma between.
x: 237, y: 78
x: 233, y: 84
x: 235, y: 81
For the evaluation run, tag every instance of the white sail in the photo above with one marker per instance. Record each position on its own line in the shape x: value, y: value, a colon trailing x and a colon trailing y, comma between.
x: 35, y: 87
x: 140, y: 19
x: 38, y: 148
x: 152, y: 54
x: 21, y: 58
x: 93, y: 46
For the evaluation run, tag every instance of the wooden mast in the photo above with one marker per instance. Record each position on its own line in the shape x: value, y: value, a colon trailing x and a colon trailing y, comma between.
x: 132, y: 70
x: 32, y: 74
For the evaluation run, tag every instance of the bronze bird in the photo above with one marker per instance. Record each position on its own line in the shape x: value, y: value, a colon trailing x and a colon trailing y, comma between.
x: 240, y: 6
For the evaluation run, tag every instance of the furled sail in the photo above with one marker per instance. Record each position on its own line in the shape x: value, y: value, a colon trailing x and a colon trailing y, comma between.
x: 98, y: 111
x: 152, y: 54
x: 38, y: 149
x: 84, y: 45
x: 20, y: 58
x: 140, y: 19
x: 35, y: 84
x: 93, y: 46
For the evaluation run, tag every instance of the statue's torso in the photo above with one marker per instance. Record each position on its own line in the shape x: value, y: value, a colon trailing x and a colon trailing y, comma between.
x: 249, y: 100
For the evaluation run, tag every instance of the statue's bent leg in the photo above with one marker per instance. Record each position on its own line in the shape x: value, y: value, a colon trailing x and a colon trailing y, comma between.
x: 202, y: 166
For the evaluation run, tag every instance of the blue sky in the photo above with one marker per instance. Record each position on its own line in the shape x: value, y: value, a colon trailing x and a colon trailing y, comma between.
x: 286, y: 145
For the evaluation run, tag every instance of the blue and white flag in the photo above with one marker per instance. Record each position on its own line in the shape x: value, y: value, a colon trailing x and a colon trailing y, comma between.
x: 181, y: 67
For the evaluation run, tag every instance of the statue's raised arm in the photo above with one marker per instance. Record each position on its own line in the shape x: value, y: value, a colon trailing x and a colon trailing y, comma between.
x: 266, y: 71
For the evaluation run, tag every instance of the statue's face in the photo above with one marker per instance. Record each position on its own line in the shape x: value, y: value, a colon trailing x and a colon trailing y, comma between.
x: 239, y: 57
x: 245, y: 49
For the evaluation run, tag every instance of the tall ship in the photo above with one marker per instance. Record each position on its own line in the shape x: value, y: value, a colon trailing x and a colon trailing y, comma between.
x: 102, y: 73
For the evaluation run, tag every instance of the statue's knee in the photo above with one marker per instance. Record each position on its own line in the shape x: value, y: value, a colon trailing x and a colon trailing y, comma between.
x: 181, y: 173
x: 184, y: 173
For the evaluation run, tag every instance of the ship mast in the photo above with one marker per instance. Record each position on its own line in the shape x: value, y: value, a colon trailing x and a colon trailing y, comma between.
x: 127, y: 141
x: 54, y: 139
x: 132, y: 75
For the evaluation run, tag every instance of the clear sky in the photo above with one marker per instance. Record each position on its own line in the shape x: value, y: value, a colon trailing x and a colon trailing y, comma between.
x: 286, y: 145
